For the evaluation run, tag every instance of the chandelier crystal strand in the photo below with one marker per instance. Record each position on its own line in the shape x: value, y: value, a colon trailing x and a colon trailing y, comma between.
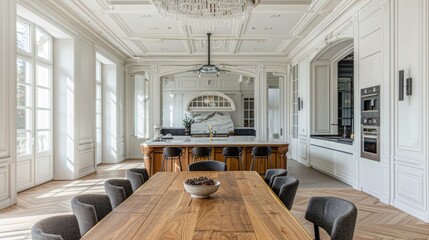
x: 205, y: 13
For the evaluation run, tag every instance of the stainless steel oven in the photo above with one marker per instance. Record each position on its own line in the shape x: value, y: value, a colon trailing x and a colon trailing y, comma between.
x: 370, y: 148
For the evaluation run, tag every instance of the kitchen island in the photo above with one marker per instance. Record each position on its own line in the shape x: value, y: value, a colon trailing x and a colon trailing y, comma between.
x: 153, y: 152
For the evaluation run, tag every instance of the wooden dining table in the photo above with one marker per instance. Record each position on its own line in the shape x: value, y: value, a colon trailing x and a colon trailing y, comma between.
x: 244, y: 207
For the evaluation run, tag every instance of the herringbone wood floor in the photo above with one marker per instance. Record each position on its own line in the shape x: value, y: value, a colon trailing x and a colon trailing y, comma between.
x: 375, y: 220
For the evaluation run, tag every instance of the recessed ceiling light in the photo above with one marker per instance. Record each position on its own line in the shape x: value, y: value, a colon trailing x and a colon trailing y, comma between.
x: 169, y: 27
x: 275, y: 16
x: 253, y: 28
x: 268, y: 28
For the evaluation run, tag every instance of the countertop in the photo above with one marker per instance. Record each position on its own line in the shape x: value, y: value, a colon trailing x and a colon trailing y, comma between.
x: 216, y: 141
x: 334, y: 138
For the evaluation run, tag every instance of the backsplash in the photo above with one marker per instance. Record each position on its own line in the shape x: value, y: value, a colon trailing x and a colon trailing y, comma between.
x: 221, y: 123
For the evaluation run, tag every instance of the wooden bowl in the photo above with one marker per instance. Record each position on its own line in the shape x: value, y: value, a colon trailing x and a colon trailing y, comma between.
x: 200, y: 191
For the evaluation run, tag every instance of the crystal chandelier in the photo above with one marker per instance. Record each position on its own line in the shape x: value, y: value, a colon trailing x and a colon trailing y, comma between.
x: 205, y: 13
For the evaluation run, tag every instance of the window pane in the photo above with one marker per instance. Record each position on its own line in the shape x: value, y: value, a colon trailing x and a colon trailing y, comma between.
x: 43, y: 45
x: 42, y: 76
x: 23, y: 36
x: 23, y: 69
x: 43, y: 119
x: 43, y: 141
x: 43, y: 97
x: 23, y: 143
x: 23, y: 119
x: 23, y: 96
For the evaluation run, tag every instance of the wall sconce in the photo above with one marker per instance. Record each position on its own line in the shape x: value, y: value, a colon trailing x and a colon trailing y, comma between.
x: 401, y: 85
x: 408, y: 87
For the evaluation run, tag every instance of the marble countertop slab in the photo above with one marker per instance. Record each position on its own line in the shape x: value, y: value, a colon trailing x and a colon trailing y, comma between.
x: 216, y: 141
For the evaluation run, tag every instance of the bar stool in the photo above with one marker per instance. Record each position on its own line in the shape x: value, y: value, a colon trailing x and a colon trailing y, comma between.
x: 201, y: 152
x: 232, y: 153
x: 263, y: 153
x: 171, y: 154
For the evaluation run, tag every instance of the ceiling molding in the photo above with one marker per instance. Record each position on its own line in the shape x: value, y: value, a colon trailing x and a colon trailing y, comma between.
x: 316, y: 33
x: 120, y: 25
x: 58, y: 12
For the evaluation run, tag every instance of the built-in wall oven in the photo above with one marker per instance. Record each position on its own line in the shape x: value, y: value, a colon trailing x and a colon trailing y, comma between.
x: 370, y: 122
x: 370, y: 148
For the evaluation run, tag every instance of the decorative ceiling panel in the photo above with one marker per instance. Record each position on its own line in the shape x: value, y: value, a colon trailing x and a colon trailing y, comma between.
x: 137, y: 29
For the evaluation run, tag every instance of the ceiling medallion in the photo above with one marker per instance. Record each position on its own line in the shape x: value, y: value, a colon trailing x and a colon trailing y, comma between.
x: 207, y: 14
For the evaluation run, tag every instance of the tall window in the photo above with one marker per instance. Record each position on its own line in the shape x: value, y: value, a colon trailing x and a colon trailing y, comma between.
x: 34, y: 103
x: 141, y: 105
x: 34, y: 72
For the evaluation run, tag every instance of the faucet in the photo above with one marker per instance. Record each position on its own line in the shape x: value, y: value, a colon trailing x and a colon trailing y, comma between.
x: 211, y: 132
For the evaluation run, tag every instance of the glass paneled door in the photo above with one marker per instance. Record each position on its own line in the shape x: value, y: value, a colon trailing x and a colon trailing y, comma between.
x: 34, y: 106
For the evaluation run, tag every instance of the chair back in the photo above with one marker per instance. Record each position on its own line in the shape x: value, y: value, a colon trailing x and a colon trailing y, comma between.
x: 208, y: 165
x: 64, y: 227
x: 89, y: 209
x: 337, y: 216
x: 172, y: 151
x: 118, y: 190
x: 137, y: 176
x: 261, y: 151
x: 231, y: 151
x: 271, y: 174
x: 287, y: 190
x: 201, y: 151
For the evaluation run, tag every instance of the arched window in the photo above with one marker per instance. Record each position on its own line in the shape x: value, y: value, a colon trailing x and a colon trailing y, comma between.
x: 210, y: 102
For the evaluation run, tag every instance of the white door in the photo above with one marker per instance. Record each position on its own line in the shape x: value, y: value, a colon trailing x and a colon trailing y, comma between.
x: 34, y: 106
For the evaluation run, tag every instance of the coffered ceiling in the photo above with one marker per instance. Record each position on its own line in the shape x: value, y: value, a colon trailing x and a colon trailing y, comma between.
x: 136, y: 28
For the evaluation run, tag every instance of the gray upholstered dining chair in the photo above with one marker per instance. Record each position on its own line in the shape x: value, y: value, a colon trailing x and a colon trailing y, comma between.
x: 208, y: 165
x: 118, y: 190
x: 64, y: 227
x: 271, y: 174
x: 89, y: 209
x: 285, y: 188
x: 337, y: 216
x: 137, y: 177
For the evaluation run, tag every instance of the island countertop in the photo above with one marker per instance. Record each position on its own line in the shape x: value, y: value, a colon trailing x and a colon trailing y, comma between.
x: 216, y: 141
x: 153, y: 152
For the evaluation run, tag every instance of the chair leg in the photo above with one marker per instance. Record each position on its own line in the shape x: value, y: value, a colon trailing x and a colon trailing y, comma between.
x: 316, y: 232
x: 252, y: 164
x: 163, y: 162
x: 180, y: 164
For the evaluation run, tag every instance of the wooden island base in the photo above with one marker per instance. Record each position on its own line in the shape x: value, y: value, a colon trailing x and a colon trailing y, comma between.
x: 153, y: 156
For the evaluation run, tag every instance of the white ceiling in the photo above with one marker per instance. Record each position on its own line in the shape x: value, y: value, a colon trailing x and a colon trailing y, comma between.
x: 136, y: 28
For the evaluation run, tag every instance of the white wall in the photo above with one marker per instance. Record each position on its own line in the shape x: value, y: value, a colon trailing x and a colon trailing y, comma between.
x: 74, y: 89
x: 388, y: 36
x: 64, y: 117
x: 176, y: 93
x: 7, y: 103
x: 410, y: 146
x: 113, y: 114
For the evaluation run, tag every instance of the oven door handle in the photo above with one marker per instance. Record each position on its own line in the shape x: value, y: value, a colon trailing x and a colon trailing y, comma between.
x: 370, y: 136
x: 370, y: 95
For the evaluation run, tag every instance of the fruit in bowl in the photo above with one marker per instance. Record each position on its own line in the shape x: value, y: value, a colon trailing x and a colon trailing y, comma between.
x: 201, y: 187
